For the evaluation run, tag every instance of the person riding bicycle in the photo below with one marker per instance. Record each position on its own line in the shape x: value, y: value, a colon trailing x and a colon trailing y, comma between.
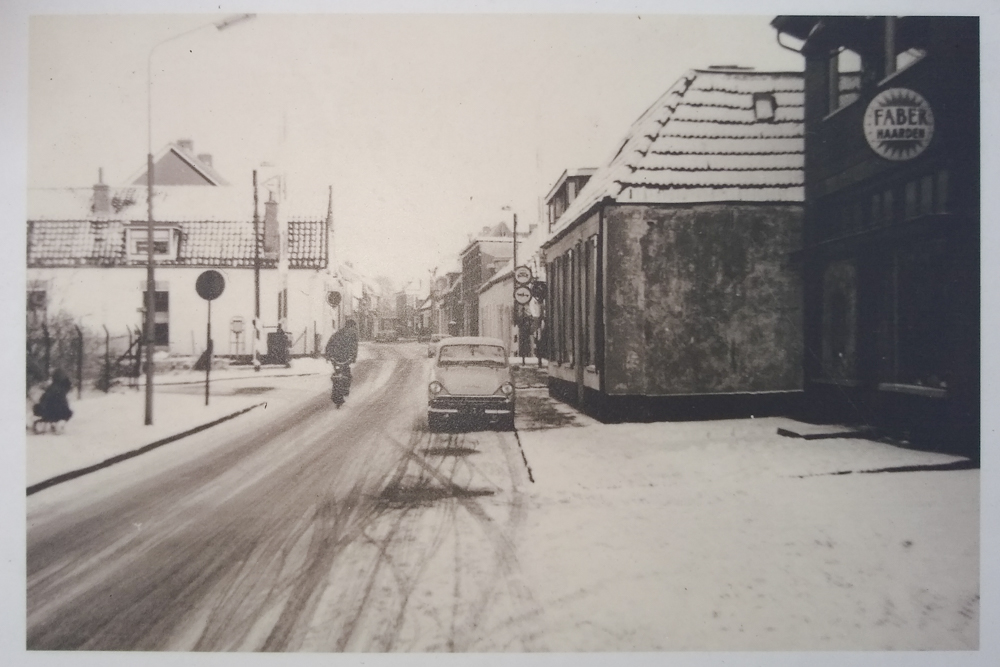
x: 342, y: 348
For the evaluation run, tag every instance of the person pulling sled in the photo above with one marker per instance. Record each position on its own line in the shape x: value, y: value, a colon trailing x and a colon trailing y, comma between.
x: 53, y: 406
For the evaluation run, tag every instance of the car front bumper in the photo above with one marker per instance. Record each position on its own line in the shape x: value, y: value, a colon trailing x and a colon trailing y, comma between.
x: 485, y: 406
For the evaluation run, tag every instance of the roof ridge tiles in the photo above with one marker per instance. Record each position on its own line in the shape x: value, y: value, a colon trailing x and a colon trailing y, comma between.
x: 714, y: 169
x: 719, y: 121
x: 758, y: 153
x: 743, y: 138
x: 709, y: 186
x: 712, y: 105
x: 718, y: 89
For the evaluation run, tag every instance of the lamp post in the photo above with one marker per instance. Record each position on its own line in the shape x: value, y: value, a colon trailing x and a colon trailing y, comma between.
x: 148, y: 324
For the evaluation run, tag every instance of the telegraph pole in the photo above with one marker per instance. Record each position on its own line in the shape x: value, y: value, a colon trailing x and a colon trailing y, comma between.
x: 256, y: 277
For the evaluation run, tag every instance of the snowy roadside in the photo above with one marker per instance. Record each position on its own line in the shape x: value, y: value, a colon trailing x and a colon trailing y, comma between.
x: 107, y: 425
x: 726, y: 536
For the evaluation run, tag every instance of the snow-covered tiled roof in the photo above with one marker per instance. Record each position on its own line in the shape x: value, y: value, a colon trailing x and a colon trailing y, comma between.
x: 59, y: 243
x: 702, y: 142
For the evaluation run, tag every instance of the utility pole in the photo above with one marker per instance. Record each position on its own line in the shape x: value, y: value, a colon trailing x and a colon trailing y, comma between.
x: 256, y: 277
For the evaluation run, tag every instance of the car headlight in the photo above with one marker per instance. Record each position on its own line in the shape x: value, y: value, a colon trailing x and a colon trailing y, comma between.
x: 507, y: 388
x: 435, y: 387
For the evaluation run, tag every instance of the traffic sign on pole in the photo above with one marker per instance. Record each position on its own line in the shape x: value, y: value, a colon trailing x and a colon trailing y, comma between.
x: 522, y: 295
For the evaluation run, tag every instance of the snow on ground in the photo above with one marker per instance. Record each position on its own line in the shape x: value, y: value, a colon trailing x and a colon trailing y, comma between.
x: 725, y: 536
x: 105, y: 425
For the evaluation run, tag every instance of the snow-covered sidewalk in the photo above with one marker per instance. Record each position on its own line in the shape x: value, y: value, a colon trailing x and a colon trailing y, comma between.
x: 107, y: 425
x: 724, y: 535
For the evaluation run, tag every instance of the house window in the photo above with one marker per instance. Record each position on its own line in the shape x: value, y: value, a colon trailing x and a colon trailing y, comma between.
x: 906, y: 58
x: 590, y: 299
x: 764, y: 107
x: 37, y: 301
x: 845, y: 70
x: 161, y: 317
x: 569, y: 281
x: 283, y: 305
x: 586, y: 304
x: 164, y: 243
x: 899, y: 55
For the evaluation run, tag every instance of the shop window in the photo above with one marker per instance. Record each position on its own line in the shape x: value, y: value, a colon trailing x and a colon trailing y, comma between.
x: 941, y: 199
x: 927, y: 195
x: 921, y: 316
x: 839, y: 321
x: 888, y: 207
x: 910, y: 200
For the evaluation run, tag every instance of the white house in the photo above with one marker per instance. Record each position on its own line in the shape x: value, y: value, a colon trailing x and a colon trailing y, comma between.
x: 86, y: 258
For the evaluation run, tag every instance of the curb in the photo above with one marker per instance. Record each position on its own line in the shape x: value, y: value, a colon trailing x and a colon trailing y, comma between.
x: 73, y: 474
x: 229, y: 379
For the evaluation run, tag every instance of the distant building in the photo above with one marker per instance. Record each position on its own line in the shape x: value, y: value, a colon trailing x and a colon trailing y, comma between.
x: 86, y: 258
x: 891, y: 246
x: 671, y: 294
x: 481, y: 258
x: 500, y: 316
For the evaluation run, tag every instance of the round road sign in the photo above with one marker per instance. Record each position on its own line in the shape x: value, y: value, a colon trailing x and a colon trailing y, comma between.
x: 210, y: 285
x: 522, y: 295
x: 522, y: 275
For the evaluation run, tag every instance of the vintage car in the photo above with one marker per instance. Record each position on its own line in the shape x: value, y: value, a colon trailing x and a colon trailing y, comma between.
x: 470, y: 381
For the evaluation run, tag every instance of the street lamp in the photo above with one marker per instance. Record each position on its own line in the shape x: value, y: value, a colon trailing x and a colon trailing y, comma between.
x: 148, y: 328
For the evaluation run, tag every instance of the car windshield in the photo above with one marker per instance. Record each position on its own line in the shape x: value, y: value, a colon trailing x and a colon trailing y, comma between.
x: 472, y: 354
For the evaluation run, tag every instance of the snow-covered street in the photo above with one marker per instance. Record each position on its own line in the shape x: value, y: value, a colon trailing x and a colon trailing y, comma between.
x: 726, y: 536
x: 299, y: 527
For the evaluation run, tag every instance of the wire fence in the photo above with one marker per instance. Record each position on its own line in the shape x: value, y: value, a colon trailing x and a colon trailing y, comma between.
x: 106, y: 358
x: 97, y: 359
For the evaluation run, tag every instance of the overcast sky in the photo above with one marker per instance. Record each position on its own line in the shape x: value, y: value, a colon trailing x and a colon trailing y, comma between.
x: 425, y: 126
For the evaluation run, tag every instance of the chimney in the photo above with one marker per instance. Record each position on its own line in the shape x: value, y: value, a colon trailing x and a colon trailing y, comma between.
x: 205, y: 158
x: 186, y: 144
x: 102, y: 202
x: 271, y: 228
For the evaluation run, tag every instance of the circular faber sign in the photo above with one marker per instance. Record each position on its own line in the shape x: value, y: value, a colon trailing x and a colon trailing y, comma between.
x: 522, y: 295
x: 899, y: 124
